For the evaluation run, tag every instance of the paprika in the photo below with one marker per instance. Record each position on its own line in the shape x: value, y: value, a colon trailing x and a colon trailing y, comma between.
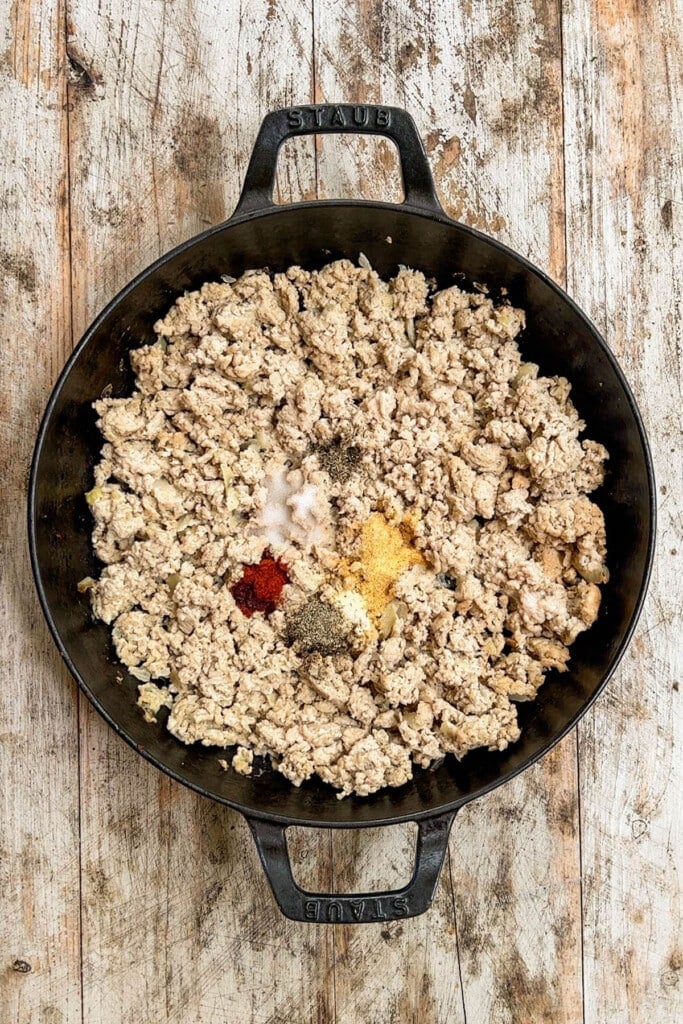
x: 260, y: 587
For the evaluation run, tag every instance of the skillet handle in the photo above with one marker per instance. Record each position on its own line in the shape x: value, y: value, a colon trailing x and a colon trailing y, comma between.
x: 330, y: 118
x: 353, y: 908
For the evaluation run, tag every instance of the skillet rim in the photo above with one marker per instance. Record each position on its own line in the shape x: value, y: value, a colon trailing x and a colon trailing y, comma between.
x: 274, y: 210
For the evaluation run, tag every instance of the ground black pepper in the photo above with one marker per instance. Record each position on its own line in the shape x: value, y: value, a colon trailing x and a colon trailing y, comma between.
x: 339, y: 460
x: 318, y: 627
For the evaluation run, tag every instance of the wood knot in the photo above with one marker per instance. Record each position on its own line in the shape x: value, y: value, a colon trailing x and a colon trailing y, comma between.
x: 638, y: 828
x: 82, y: 75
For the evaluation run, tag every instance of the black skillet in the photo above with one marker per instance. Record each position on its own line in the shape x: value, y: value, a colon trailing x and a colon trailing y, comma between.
x: 558, y: 337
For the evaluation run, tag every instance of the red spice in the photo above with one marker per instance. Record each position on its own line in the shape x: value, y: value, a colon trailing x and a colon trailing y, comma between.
x: 261, y: 585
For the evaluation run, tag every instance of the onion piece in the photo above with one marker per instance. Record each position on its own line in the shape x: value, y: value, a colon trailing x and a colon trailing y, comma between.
x: 94, y: 496
x: 410, y: 329
x: 140, y: 673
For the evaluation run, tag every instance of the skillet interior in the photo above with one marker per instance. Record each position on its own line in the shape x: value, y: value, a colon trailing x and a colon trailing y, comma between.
x: 557, y: 336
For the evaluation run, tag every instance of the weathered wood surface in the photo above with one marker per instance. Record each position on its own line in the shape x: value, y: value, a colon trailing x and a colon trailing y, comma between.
x: 126, y: 128
x: 39, y: 821
x: 177, y: 917
x: 514, y: 855
x: 624, y: 172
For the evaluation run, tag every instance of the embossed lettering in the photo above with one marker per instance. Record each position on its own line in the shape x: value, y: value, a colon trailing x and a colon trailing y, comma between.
x: 318, y: 115
x: 360, y: 115
x: 338, y: 117
x: 295, y: 118
x: 311, y: 910
x: 379, y: 911
x: 400, y: 905
x: 334, y: 912
x: 357, y: 907
x: 383, y: 118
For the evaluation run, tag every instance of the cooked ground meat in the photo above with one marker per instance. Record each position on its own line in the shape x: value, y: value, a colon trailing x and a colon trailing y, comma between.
x: 424, y: 487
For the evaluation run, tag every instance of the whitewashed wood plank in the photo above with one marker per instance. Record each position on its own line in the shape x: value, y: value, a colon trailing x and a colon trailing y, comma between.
x: 417, y: 977
x: 179, y: 923
x: 624, y: 115
x: 400, y: 972
x: 515, y: 854
x: 517, y: 897
x: 483, y: 82
x: 39, y: 879
x: 496, y: 93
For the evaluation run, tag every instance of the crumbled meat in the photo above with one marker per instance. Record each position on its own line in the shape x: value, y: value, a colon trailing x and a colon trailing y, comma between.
x: 243, y: 760
x: 152, y: 698
x: 284, y: 413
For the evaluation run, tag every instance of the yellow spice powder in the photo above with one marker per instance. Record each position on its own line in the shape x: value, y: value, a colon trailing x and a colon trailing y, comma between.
x: 385, y: 552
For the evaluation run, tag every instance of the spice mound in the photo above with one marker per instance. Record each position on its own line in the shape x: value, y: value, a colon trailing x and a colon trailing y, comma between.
x: 344, y: 525
x: 260, y: 586
x: 385, y: 553
x: 317, y: 626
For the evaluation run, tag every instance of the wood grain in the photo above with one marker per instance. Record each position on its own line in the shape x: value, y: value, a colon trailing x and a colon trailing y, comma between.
x: 350, y: 50
x: 415, y: 979
x: 39, y: 877
x: 178, y: 920
x: 127, y: 127
x: 623, y: 101
x: 515, y: 854
x: 484, y: 85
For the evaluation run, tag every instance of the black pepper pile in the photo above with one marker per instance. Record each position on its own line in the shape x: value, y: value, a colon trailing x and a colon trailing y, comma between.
x: 318, y: 626
x: 339, y: 460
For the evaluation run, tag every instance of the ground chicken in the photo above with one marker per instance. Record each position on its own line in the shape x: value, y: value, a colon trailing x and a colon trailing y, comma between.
x: 283, y: 413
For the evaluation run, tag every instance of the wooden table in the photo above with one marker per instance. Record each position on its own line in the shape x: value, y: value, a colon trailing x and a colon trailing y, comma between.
x: 126, y: 127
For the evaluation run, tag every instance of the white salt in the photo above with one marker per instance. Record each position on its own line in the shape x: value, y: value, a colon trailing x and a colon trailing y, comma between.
x: 293, y: 514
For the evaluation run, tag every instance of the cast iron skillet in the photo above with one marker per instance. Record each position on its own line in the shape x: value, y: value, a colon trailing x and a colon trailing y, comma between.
x: 558, y: 336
